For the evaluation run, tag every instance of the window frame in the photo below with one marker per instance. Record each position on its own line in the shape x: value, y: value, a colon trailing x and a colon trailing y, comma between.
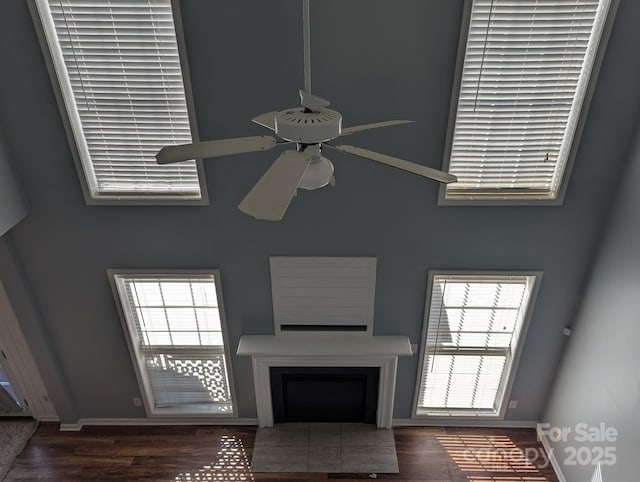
x: 506, y: 384
x: 138, y: 364
x: 125, y: 199
x: 516, y: 199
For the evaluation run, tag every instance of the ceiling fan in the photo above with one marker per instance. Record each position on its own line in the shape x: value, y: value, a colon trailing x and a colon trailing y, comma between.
x: 311, y: 127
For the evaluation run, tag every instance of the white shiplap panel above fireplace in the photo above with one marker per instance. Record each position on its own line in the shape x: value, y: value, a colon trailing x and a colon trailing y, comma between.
x: 323, y: 294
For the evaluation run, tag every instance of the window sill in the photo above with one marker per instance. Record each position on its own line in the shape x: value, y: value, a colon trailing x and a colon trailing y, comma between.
x: 194, y: 410
x: 459, y: 414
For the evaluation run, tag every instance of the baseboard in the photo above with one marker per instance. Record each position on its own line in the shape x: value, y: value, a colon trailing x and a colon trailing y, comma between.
x: 417, y: 422
x: 70, y: 427
x: 48, y: 419
x: 544, y: 440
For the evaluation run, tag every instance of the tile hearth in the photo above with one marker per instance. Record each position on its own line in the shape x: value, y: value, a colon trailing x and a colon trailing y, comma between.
x: 324, y: 447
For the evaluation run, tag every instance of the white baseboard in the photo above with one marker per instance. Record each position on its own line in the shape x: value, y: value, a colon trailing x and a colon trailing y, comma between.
x: 48, y: 419
x: 70, y: 427
x: 417, y: 422
x: 544, y: 440
x: 397, y: 422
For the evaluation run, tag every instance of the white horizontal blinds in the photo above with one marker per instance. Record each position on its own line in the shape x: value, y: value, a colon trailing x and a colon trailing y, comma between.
x: 179, y: 337
x: 120, y: 59
x: 462, y: 381
x: 473, y: 326
x: 526, y: 68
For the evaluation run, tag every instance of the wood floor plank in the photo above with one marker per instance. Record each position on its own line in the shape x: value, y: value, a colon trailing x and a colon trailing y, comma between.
x: 219, y: 453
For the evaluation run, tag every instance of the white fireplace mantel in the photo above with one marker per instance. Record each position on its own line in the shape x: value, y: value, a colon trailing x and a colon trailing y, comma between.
x: 330, y: 350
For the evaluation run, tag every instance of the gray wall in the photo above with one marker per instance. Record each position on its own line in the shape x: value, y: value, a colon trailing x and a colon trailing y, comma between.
x: 12, y: 204
x: 599, y: 379
x: 375, y: 59
x: 33, y: 326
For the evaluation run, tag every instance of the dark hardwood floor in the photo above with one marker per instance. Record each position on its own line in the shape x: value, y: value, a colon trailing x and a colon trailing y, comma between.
x: 223, y: 453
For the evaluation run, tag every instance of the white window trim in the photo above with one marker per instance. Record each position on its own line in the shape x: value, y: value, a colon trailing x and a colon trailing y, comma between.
x: 145, y: 390
x: 504, y: 392
x: 126, y: 199
x: 509, y: 199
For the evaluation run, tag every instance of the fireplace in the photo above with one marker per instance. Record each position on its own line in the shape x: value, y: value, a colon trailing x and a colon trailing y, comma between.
x: 324, y: 351
x: 324, y: 394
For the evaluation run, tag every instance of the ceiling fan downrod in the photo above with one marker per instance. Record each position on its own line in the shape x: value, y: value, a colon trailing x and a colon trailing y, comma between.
x: 306, y: 30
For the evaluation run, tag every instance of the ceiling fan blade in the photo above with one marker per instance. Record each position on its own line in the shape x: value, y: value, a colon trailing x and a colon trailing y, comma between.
x: 270, y: 197
x: 267, y: 120
x: 398, y: 163
x: 224, y: 147
x: 376, y: 125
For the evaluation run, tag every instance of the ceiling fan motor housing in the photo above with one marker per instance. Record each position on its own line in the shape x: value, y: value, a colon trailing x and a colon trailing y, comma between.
x: 296, y: 125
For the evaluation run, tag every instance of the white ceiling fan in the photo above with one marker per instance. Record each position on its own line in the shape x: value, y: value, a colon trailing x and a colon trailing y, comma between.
x: 311, y: 127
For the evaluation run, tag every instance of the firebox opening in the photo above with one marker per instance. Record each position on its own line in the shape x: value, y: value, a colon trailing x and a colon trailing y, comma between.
x: 324, y: 394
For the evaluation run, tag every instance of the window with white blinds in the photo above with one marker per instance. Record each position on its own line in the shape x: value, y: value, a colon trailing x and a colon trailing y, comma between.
x: 176, y: 331
x: 526, y: 71
x: 474, y: 325
x: 121, y: 82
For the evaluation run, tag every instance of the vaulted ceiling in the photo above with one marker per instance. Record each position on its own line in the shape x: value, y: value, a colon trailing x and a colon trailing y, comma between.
x: 375, y: 60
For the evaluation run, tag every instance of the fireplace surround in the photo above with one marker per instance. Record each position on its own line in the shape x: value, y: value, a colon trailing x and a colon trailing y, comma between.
x: 321, y: 350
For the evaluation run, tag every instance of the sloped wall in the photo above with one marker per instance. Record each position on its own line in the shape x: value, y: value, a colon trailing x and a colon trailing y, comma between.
x: 599, y: 380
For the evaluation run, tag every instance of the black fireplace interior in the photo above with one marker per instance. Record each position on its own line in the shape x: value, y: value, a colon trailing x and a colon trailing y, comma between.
x: 324, y: 394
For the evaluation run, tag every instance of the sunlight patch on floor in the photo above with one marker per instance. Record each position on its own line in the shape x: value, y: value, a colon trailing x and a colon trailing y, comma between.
x: 494, y: 453
x: 231, y: 464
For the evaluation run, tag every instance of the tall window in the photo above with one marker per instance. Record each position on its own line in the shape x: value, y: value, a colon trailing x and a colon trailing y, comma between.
x: 474, y: 328
x: 526, y: 74
x: 175, y: 326
x: 117, y: 69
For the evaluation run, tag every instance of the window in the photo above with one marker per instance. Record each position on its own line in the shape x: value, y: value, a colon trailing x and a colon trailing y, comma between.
x: 474, y: 329
x: 523, y: 95
x: 175, y: 327
x: 117, y: 71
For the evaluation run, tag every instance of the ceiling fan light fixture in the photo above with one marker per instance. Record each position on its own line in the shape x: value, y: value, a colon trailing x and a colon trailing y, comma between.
x: 319, y: 173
